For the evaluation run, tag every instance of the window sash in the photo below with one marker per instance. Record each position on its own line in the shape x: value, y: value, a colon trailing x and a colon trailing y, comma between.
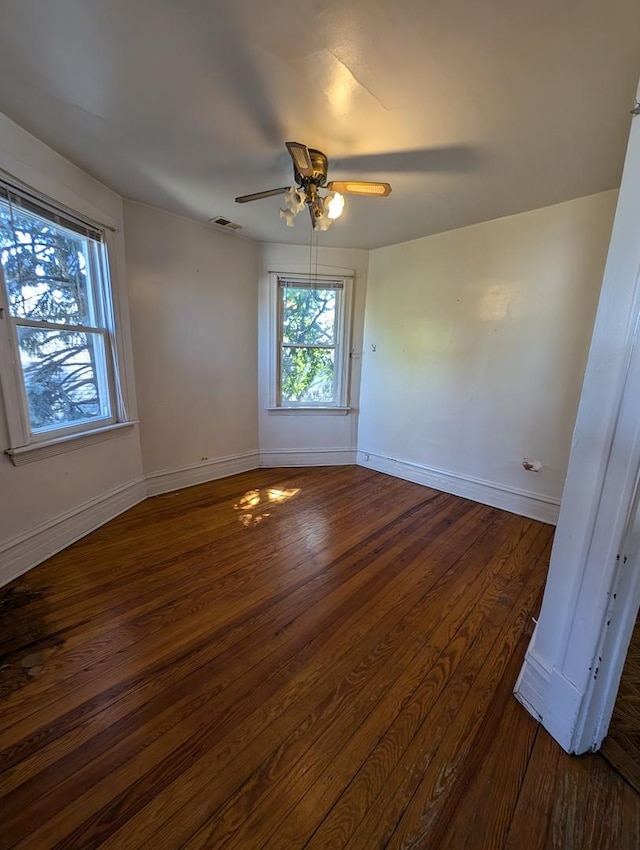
x: 341, y: 330
x: 56, y: 326
x: 103, y: 378
x: 334, y: 376
x: 102, y: 325
x: 308, y: 345
x: 306, y: 283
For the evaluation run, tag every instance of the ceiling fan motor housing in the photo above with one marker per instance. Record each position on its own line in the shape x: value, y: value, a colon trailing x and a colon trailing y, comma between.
x: 320, y: 164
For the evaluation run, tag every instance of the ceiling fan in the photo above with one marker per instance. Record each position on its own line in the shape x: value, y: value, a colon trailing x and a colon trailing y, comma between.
x: 310, y: 173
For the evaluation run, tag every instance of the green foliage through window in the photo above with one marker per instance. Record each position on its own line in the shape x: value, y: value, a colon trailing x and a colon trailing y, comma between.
x: 47, y: 274
x: 309, y: 338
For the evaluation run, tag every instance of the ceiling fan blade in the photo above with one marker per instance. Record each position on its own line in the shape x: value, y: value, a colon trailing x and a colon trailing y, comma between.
x: 356, y: 187
x: 269, y: 193
x: 301, y: 158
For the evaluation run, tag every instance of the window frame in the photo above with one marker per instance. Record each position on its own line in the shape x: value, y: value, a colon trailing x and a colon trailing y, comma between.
x: 343, y: 284
x: 23, y: 439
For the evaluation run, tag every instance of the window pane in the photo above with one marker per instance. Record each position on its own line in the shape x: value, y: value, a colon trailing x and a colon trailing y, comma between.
x: 307, y: 375
x: 63, y: 376
x: 45, y: 269
x: 308, y: 315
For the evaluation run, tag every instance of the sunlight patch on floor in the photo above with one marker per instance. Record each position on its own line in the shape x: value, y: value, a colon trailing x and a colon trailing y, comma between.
x: 255, y: 506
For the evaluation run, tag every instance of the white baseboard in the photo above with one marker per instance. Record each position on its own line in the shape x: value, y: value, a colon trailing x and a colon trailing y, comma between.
x: 167, y: 480
x: 532, y: 686
x: 552, y: 699
x: 25, y: 551
x: 562, y: 711
x: 490, y: 493
x: 308, y: 457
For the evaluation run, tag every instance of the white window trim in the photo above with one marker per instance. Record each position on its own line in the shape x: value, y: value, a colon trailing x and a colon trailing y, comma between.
x: 59, y: 445
x: 24, y: 445
x: 334, y: 410
x: 342, y: 349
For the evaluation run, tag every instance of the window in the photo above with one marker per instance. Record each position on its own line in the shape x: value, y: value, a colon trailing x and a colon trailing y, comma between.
x: 311, y: 359
x: 57, y: 322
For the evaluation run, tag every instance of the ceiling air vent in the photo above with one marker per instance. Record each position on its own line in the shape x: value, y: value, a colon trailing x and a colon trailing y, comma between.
x: 220, y: 221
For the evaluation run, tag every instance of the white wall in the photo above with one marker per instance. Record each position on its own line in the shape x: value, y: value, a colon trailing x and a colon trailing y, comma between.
x: 481, y: 338
x: 194, y: 301
x: 46, y: 504
x: 299, y: 438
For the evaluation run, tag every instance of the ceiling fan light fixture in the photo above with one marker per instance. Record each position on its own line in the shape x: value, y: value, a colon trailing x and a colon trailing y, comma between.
x: 319, y: 218
x: 295, y: 199
x: 334, y: 205
x: 322, y: 222
x: 288, y: 216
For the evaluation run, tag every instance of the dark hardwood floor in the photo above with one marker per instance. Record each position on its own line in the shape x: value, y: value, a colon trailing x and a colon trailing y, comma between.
x: 621, y: 747
x: 316, y: 658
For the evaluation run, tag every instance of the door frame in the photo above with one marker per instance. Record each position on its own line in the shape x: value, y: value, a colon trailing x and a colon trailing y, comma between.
x: 572, y: 669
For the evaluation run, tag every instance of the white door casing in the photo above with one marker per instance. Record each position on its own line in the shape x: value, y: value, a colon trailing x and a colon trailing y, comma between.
x: 572, y: 668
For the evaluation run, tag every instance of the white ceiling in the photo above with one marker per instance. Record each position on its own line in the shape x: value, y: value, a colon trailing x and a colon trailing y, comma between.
x: 472, y: 110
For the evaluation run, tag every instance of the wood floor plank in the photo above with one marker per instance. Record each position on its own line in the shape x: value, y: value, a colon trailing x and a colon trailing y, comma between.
x: 621, y: 747
x: 96, y: 673
x: 429, y: 652
x: 163, y: 736
x: 622, y: 751
x: 76, y: 669
x: 396, y: 603
x: 455, y: 635
x: 531, y: 821
x: 262, y: 631
x: 412, y: 800
x: 569, y: 802
x: 486, y: 807
x: 285, y: 658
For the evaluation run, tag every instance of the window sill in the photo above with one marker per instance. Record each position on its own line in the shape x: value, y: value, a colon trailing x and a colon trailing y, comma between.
x: 311, y: 411
x: 49, y: 448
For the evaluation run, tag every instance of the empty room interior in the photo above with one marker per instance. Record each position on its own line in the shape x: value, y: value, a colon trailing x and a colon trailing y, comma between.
x: 319, y: 423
